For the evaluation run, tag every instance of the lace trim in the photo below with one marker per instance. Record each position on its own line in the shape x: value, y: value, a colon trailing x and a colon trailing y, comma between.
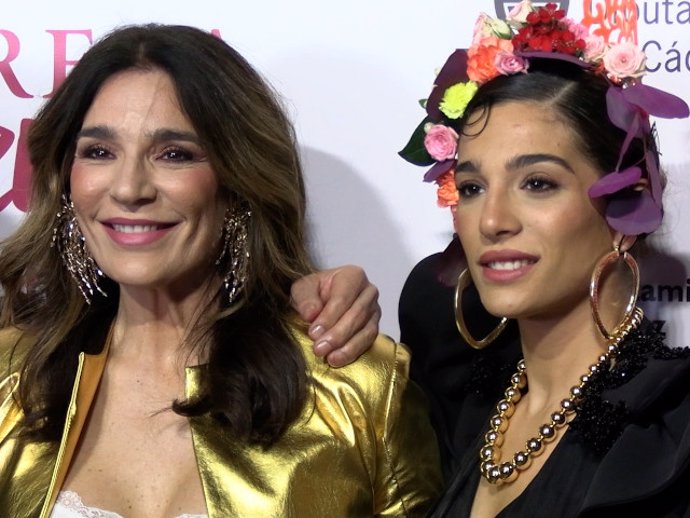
x: 72, y: 501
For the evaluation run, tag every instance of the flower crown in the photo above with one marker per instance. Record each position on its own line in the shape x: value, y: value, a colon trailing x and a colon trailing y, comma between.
x: 505, y: 48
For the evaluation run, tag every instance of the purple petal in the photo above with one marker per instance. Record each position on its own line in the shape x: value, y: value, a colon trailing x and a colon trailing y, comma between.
x: 453, y: 71
x: 438, y: 169
x: 656, y: 102
x: 614, y: 182
x: 654, y: 177
x: 621, y: 112
x: 634, y: 213
x: 636, y: 129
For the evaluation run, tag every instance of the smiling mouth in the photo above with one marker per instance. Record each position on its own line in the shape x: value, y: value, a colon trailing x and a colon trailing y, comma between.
x: 509, y: 265
x: 137, y: 229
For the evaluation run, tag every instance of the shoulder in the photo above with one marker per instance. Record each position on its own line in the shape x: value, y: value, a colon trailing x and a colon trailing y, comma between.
x: 424, y: 285
x: 658, y: 434
x: 380, y: 375
x: 425, y: 312
x: 14, y: 343
x: 385, y: 361
x: 378, y: 415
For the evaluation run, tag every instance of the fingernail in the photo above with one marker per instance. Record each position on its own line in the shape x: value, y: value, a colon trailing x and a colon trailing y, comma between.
x: 335, y: 360
x: 316, y: 331
x: 322, y: 348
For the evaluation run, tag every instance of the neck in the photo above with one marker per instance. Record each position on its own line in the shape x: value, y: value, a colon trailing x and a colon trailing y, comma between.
x: 557, y: 351
x: 154, y: 325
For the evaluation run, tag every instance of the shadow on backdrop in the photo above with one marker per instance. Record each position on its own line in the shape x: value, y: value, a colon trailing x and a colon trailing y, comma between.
x: 348, y: 225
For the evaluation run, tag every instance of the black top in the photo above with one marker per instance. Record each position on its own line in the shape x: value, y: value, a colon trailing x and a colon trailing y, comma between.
x: 627, y: 453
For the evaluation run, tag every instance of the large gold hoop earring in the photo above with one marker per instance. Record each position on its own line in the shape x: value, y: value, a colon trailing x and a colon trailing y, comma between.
x: 464, y: 280
x: 594, y: 287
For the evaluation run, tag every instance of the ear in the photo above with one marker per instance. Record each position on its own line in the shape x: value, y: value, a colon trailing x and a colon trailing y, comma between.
x: 623, y: 242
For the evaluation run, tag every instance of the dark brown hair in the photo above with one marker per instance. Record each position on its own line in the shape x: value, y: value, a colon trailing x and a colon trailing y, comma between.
x: 255, y: 381
x: 574, y: 94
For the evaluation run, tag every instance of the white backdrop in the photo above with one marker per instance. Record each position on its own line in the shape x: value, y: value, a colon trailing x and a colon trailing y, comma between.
x: 350, y: 74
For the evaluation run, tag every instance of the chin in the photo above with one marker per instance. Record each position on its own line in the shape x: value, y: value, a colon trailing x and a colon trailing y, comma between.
x: 137, y: 278
x: 505, y: 304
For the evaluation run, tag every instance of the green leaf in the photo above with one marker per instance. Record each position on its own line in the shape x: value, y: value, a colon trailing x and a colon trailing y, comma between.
x: 414, y: 151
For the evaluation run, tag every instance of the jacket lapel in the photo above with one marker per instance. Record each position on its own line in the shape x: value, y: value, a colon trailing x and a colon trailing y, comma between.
x: 84, y: 390
x: 27, y: 484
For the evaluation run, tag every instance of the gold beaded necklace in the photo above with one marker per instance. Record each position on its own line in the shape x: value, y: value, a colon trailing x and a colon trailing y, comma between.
x: 496, y: 472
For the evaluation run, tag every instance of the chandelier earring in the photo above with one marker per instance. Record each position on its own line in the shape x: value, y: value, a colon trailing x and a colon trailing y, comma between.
x: 464, y: 280
x: 71, y: 245
x: 631, y: 310
x: 234, y: 255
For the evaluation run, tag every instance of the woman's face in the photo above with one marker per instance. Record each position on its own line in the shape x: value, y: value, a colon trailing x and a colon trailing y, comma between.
x: 529, y: 230
x: 144, y: 193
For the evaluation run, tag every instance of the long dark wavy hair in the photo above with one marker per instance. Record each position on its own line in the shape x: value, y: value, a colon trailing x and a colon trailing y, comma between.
x: 255, y: 382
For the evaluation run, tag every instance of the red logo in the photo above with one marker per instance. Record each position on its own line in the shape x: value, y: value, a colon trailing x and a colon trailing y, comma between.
x: 21, y: 179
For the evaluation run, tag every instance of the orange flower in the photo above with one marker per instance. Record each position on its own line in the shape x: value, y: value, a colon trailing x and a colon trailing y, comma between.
x: 481, y: 58
x: 447, y: 191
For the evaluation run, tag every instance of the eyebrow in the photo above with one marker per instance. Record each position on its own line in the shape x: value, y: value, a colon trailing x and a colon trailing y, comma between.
x: 518, y: 162
x: 528, y: 160
x: 101, y: 132
x: 159, y: 135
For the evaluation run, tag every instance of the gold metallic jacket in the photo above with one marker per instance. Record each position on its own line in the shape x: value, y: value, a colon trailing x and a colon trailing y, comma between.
x: 361, y: 447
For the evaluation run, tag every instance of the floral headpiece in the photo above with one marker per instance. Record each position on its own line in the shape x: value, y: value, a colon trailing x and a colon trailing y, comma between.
x: 505, y: 48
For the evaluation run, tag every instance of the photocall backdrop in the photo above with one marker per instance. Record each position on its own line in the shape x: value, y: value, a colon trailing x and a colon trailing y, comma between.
x: 350, y: 74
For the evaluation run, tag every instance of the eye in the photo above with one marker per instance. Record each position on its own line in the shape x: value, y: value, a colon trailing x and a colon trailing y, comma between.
x: 95, y: 152
x: 539, y: 184
x: 177, y: 154
x: 469, y: 189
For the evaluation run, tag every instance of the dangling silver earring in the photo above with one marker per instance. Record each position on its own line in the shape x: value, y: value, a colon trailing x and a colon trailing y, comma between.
x: 71, y: 246
x: 234, y: 255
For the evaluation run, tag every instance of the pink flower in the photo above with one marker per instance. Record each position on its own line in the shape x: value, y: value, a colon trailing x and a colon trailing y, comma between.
x: 595, y: 48
x: 580, y: 31
x: 518, y: 14
x: 508, y: 63
x: 624, y: 60
x: 441, y: 142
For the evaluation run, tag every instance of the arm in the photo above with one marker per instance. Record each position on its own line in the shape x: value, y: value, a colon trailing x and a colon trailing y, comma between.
x: 408, y: 477
x: 342, y: 308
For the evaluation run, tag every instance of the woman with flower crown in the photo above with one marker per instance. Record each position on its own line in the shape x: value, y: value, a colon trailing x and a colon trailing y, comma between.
x: 540, y: 141
x: 569, y: 403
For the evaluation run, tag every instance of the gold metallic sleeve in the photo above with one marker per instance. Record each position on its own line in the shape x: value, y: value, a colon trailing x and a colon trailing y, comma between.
x: 362, y: 447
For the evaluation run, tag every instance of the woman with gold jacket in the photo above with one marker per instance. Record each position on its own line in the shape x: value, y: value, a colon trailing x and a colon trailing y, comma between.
x: 152, y: 365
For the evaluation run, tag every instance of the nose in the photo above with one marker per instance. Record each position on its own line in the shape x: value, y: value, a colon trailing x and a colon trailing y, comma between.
x: 133, y: 184
x: 499, y: 215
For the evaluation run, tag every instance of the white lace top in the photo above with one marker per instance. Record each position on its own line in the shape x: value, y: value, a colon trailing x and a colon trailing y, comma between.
x: 69, y: 505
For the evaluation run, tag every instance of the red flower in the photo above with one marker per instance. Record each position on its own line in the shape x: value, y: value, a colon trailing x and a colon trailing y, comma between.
x: 533, y: 18
x: 546, y: 32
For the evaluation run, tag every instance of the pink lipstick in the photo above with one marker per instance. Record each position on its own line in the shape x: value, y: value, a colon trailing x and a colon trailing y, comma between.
x: 506, y: 265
